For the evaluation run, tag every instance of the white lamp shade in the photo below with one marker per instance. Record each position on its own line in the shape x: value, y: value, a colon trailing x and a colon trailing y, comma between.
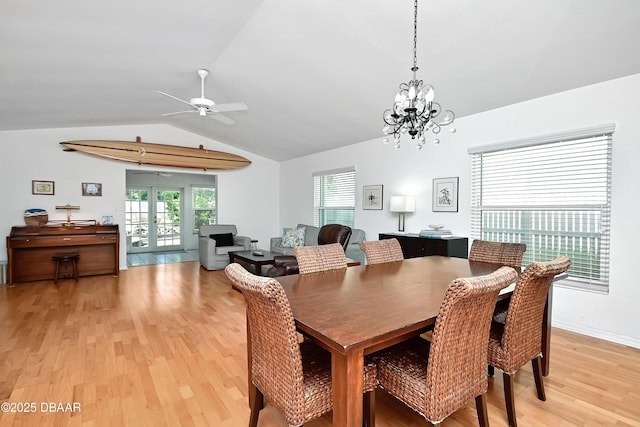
x: 402, y: 204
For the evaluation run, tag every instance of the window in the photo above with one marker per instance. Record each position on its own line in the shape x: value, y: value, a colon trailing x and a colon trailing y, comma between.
x: 552, y: 193
x: 334, y: 197
x: 204, y: 206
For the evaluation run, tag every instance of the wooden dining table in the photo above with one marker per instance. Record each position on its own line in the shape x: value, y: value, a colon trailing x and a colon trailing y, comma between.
x: 356, y: 311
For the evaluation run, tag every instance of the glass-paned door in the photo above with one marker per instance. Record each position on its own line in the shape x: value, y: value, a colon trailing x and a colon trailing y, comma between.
x: 137, y: 219
x: 168, y: 219
x: 153, y: 219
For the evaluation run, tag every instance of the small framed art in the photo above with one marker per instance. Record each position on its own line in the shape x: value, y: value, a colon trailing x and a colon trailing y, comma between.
x: 91, y: 189
x: 43, y: 187
x: 445, y: 194
x: 372, y: 197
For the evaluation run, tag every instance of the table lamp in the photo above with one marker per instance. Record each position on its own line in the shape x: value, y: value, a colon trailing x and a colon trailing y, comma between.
x: 402, y: 205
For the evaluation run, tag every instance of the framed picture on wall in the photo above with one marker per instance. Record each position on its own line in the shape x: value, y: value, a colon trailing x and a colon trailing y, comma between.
x: 91, y: 189
x: 42, y: 187
x: 372, y: 197
x: 445, y: 194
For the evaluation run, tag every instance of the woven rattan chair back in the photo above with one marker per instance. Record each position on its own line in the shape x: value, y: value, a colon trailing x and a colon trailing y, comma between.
x: 485, y: 251
x: 512, y: 254
x: 276, y: 361
x: 457, y: 366
x: 509, y: 254
x: 519, y: 339
x: 380, y: 251
x: 312, y: 259
x: 522, y: 335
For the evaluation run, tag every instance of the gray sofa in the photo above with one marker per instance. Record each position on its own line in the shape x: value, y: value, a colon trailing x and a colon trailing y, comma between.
x: 213, y: 256
x: 311, y: 239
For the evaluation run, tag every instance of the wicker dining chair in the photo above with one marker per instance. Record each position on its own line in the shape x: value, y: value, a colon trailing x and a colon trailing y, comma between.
x: 500, y: 253
x: 312, y: 259
x: 436, y: 378
x: 294, y: 377
x: 519, y: 339
x: 380, y: 251
x: 509, y: 254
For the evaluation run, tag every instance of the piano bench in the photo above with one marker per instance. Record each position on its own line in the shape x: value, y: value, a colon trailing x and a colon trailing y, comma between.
x: 66, y: 258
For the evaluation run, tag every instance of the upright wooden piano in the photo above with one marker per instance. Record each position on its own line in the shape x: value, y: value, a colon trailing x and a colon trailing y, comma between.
x: 30, y: 248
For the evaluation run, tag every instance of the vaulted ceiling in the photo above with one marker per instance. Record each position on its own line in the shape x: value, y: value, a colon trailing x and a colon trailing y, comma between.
x: 315, y: 74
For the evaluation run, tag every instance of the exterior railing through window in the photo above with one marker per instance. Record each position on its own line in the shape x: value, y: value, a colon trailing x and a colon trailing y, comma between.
x: 547, y: 233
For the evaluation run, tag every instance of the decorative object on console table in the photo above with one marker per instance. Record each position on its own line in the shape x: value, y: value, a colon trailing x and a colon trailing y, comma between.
x: 43, y: 187
x: 402, y: 205
x: 435, y: 230
x: 413, y: 245
x: 91, y: 189
x: 445, y: 194
x: 107, y: 220
x: 372, y: 197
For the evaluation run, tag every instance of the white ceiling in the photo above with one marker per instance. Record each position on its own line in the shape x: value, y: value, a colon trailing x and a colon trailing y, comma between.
x: 316, y: 74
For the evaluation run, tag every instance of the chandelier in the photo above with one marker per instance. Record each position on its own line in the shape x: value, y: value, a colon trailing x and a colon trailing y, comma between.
x: 414, y: 110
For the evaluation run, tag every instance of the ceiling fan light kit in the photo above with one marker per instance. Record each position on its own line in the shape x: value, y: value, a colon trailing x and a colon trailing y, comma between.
x: 204, y: 106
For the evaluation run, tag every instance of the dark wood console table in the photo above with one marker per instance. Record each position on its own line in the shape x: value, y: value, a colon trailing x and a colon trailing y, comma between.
x: 413, y: 245
x: 30, y: 250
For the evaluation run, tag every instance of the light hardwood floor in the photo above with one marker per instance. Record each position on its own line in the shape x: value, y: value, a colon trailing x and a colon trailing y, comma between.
x: 165, y: 345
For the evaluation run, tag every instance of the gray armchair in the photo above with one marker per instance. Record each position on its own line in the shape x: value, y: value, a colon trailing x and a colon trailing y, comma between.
x: 215, y: 244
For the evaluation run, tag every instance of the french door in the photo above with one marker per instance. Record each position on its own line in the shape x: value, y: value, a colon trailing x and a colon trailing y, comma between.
x: 153, y: 219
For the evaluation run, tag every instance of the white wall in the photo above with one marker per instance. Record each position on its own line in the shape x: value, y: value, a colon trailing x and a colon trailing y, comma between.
x: 246, y: 197
x: 407, y: 171
x: 249, y: 197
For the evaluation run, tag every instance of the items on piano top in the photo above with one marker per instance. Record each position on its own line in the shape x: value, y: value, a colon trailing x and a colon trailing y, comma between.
x: 36, y: 216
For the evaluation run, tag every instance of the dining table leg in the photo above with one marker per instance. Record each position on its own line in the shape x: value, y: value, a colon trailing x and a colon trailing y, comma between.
x: 347, y: 382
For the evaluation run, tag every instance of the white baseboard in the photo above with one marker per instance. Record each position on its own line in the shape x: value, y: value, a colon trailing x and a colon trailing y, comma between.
x: 596, y: 333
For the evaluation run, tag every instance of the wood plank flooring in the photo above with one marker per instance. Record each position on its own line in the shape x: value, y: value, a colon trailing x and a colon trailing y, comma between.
x: 165, y: 345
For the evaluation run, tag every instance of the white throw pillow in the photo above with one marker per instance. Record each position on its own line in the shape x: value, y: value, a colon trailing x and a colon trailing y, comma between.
x: 292, y: 237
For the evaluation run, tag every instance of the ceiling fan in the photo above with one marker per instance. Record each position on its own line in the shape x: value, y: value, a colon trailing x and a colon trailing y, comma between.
x: 206, y: 107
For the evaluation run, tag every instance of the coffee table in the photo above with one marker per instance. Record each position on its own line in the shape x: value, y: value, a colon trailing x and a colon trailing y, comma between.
x: 255, y: 260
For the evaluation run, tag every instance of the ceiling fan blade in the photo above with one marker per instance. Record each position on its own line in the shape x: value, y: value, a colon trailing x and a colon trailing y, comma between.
x: 232, y: 106
x: 173, y: 97
x: 222, y: 118
x: 177, y: 112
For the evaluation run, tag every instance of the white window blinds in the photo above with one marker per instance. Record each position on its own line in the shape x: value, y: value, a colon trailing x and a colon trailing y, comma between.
x: 552, y: 193
x: 334, y: 197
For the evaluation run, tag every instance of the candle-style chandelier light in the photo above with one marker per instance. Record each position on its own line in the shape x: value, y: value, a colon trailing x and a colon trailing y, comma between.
x: 414, y: 110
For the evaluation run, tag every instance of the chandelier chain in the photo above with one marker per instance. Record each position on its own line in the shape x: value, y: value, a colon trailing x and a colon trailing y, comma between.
x: 415, y: 34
